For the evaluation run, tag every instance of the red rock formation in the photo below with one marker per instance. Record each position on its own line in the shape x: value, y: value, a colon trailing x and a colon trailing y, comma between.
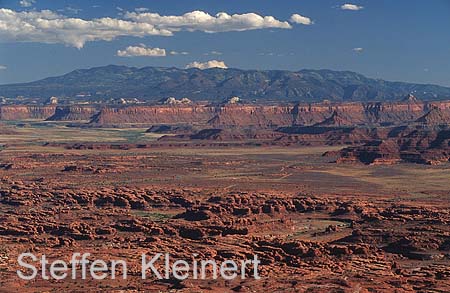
x: 315, y: 135
x: 261, y: 116
x: 269, y: 116
x: 435, y: 117
x: 336, y: 119
x: 73, y: 113
x: 153, y: 115
x: 26, y: 112
x: 408, y: 144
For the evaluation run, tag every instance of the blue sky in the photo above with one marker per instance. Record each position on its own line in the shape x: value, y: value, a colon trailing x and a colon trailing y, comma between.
x: 394, y: 40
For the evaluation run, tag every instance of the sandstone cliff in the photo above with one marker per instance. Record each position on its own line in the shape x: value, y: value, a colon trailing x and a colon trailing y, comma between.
x: 73, y: 113
x: 153, y: 115
x: 260, y: 116
x: 26, y: 112
x: 264, y: 116
x: 416, y: 144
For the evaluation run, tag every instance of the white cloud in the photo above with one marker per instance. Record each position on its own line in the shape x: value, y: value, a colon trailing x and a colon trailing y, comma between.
x: 27, y: 3
x: 217, y: 53
x: 208, y: 64
x: 358, y: 50
x: 141, y: 50
x: 300, y: 19
x: 269, y: 54
x: 202, y: 21
x: 353, y: 7
x: 141, y: 9
x: 49, y: 27
x: 71, y: 10
x: 178, y: 53
x: 3, y: 67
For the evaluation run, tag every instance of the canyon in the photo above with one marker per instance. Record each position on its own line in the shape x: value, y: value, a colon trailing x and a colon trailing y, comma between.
x: 375, y: 133
x: 326, y: 194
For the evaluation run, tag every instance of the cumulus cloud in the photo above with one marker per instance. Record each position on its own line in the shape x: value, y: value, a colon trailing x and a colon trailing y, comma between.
x: 27, y: 3
x: 358, y: 50
x: 353, y: 7
x: 49, y: 27
x: 3, y: 67
x: 207, y: 64
x: 300, y: 19
x: 202, y: 21
x: 140, y: 51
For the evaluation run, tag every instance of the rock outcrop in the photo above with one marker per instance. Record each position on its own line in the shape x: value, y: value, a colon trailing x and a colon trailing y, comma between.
x: 19, y: 112
x: 152, y: 115
x: 73, y: 113
x: 403, y: 144
x: 435, y: 117
x: 239, y: 115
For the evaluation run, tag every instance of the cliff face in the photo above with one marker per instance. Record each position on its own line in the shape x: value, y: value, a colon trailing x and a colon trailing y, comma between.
x: 417, y: 144
x: 435, y: 117
x: 344, y: 114
x: 26, y: 112
x: 153, y: 115
x: 73, y: 113
x: 318, y: 135
x: 348, y: 114
x: 319, y: 113
x: 50, y: 112
x: 262, y: 116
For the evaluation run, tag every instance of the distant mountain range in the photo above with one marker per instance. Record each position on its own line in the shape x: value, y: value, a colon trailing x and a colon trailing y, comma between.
x: 155, y: 83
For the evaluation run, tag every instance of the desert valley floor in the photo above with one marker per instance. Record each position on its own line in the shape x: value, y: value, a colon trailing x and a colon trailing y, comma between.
x: 317, y: 226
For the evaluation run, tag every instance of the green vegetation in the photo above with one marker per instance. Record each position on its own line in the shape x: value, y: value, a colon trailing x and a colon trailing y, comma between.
x: 35, y: 133
x: 154, y: 216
